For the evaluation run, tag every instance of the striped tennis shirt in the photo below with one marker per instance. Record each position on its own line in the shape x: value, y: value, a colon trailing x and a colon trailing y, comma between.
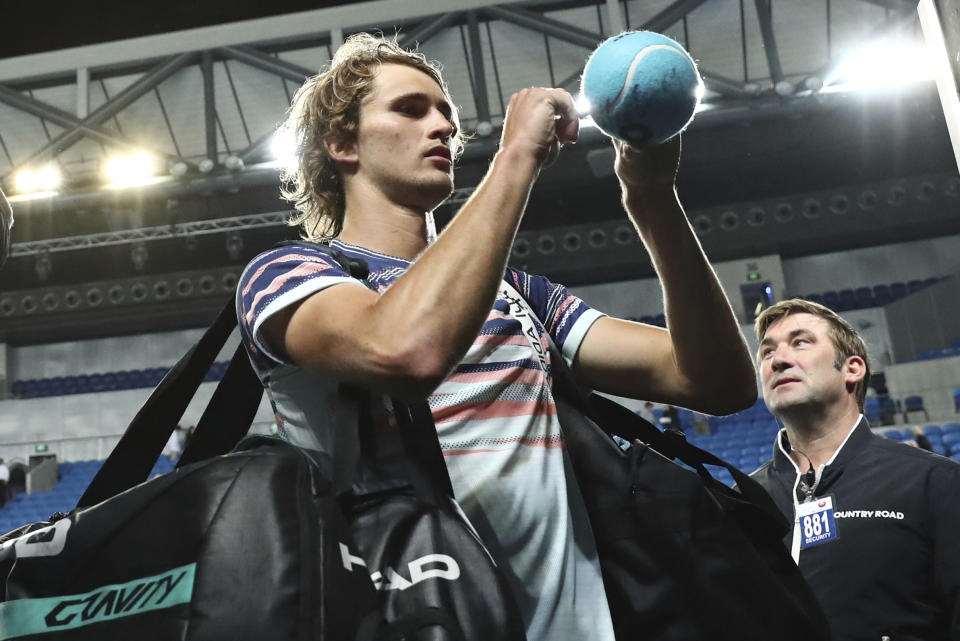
x: 496, y: 422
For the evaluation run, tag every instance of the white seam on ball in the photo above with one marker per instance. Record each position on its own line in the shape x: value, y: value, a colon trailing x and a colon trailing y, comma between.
x: 633, y: 66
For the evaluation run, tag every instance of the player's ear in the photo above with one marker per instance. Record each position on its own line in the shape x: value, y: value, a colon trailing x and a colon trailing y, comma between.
x: 854, y: 369
x: 340, y: 149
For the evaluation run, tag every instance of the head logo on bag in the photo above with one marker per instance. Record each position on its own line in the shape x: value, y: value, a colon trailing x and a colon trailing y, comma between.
x: 24, y: 617
x: 446, y: 567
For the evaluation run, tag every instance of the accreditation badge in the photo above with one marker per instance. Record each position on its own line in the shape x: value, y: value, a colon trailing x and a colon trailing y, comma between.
x: 817, y: 523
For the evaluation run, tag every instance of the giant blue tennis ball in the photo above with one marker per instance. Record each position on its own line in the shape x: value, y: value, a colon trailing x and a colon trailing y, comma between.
x: 642, y: 87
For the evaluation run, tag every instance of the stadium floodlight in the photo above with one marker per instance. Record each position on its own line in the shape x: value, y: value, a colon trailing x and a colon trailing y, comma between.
x: 49, y: 178
x: 127, y: 171
x: 46, y: 180
x: 26, y: 181
x: 881, y: 64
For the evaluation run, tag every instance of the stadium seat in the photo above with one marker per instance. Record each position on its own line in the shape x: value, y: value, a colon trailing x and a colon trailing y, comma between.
x: 914, y: 286
x: 950, y: 441
x: 881, y: 295
x: 864, y: 297
x: 886, y: 410
x: 948, y: 428
x: 933, y: 431
x: 895, y: 435
x: 914, y: 403
x: 898, y: 290
x: 832, y: 300
x: 848, y: 300
x: 814, y: 298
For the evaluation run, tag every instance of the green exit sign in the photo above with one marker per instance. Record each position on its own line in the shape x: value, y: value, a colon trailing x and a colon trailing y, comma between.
x: 42, y: 447
x: 753, y: 275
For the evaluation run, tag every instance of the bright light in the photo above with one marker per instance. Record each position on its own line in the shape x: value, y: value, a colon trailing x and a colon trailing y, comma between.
x: 29, y: 181
x: 125, y: 171
x: 26, y: 181
x: 881, y: 65
x: 284, y: 149
x: 48, y: 178
x: 583, y: 105
x: 700, y: 91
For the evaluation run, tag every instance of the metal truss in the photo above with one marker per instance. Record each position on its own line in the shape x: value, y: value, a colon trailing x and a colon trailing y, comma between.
x: 422, y: 24
x: 162, y: 232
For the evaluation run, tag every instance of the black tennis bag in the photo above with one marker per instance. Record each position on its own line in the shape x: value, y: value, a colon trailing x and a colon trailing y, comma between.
x: 683, y: 556
x: 256, y: 544
x: 244, y: 546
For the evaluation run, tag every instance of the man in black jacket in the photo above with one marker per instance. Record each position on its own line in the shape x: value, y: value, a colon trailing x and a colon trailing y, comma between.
x: 876, y: 524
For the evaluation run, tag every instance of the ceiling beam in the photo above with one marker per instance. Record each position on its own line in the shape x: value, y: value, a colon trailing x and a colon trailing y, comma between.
x: 428, y: 29
x: 264, y: 62
x: 670, y: 15
x: 113, y: 106
x: 542, y: 24
x: 480, y: 96
x: 765, y: 16
x: 67, y: 120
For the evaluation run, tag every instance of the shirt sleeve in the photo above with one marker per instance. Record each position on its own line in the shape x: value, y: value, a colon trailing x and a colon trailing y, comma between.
x: 565, y: 317
x: 274, y: 280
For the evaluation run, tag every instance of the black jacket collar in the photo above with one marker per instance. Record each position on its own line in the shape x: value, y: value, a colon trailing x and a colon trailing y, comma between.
x: 855, y: 442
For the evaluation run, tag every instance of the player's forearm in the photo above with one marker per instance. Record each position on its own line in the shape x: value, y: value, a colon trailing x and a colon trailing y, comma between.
x: 709, y: 348
x: 441, y: 303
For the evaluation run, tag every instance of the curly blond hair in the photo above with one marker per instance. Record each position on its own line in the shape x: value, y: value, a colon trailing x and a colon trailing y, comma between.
x: 328, y: 104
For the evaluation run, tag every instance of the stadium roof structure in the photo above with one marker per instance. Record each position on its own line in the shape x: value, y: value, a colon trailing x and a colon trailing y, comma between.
x: 776, y: 162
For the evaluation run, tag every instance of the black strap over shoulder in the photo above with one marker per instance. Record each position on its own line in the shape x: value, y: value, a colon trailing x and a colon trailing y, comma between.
x: 622, y: 422
x: 225, y: 421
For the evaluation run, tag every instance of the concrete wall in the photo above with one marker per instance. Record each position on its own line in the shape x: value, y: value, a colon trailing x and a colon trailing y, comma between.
x: 87, y: 426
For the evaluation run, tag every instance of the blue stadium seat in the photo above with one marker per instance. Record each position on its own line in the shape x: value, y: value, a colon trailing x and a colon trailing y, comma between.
x: 814, y: 298
x: 898, y: 290
x: 948, y: 428
x: 914, y: 403
x: 887, y: 409
x: 933, y: 280
x: 933, y: 431
x: 110, y: 382
x: 914, y: 286
x: 832, y: 300
x: 140, y: 378
x: 950, y: 440
x: 939, y: 448
x: 848, y: 300
x: 895, y: 435
x: 864, y: 297
x: 881, y: 295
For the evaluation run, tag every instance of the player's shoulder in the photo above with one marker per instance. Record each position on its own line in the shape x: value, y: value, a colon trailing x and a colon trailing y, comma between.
x: 904, y: 456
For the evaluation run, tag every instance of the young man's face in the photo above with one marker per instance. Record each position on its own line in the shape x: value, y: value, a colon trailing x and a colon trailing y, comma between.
x: 797, y: 365
x: 404, y: 141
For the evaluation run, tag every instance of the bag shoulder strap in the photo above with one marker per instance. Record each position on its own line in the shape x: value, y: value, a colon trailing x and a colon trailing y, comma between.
x: 617, y: 419
x: 226, y: 419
